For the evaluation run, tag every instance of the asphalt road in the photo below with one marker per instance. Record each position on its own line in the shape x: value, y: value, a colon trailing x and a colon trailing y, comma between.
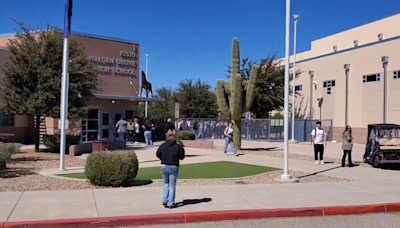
x: 365, y: 221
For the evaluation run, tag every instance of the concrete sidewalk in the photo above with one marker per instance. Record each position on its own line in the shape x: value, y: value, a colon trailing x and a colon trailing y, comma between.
x: 373, y: 186
x: 49, y: 205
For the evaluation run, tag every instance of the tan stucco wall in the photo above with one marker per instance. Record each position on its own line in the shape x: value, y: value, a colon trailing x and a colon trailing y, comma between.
x: 365, y: 99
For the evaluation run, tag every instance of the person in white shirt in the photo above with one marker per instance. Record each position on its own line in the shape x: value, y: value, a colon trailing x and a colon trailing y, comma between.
x: 228, y: 133
x: 318, y: 137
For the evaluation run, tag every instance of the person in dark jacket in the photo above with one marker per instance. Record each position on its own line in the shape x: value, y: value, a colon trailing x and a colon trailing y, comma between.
x: 169, y: 126
x: 170, y: 153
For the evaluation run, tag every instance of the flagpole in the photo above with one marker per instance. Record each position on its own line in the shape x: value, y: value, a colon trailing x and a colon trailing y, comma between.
x: 64, y: 103
x: 65, y: 83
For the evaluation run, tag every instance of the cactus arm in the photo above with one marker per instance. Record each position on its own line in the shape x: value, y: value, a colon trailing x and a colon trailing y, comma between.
x: 235, y: 102
x: 235, y: 62
x: 227, y: 87
x: 250, y: 87
x: 222, y: 99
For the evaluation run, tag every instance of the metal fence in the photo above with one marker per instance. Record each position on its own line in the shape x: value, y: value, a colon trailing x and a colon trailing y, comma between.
x: 255, y: 129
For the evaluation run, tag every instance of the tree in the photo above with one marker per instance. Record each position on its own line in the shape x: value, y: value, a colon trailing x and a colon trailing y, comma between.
x: 269, y: 94
x: 196, y: 99
x: 161, y: 109
x: 32, y: 82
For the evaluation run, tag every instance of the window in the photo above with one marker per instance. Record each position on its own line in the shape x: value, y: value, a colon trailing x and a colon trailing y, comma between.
x: 396, y: 75
x: 328, y: 85
x: 298, y: 88
x: 6, y: 120
x: 90, y: 126
x: 371, y: 78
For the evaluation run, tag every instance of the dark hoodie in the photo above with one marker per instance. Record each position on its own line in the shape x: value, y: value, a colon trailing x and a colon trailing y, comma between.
x: 170, y: 153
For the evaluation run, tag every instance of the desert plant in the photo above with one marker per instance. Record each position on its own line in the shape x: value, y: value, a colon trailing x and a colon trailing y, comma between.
x: 185, y: 135
x: 115, y: 169
x: 236, y: 97
x: 6, y: 151
x: 52, y: 142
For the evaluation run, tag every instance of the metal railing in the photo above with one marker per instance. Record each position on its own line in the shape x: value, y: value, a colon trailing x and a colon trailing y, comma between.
x: 255, y: 129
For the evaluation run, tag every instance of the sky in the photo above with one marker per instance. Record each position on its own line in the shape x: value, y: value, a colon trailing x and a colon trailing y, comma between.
x: 193, y: 39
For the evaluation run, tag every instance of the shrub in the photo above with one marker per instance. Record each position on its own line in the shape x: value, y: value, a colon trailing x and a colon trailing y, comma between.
x: 115, y: 169
x: 6, y: 151
x: 185, y: 135
x: 52, y: 142
x: 7, y: 138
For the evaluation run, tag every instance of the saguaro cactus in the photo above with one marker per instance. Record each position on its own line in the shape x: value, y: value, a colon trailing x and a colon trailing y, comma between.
x: 236, y: 97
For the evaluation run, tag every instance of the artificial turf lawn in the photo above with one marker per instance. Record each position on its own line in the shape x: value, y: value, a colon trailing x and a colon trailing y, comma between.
x: 209, y: 170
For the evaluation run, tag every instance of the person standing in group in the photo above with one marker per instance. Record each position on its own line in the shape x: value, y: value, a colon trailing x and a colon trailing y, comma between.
x: 169, y: 126
x: 170, y: 153
x: 131, y: 130
x: 347, y: 146
x: 121, y: 128
x: 228, y: 134
x: 137, y: 130
x: 318, y: 137
x: 147, y: 127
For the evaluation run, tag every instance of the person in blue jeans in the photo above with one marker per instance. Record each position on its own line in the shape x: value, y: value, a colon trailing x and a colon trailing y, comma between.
x: 228, y: 134
x: 170, y: 153
x: 147, y: 127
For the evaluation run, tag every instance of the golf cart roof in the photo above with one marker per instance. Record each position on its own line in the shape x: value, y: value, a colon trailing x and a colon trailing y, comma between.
x: 383, y: 126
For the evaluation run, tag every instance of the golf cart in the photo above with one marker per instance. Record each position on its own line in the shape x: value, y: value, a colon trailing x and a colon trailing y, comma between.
x: 383, y: 145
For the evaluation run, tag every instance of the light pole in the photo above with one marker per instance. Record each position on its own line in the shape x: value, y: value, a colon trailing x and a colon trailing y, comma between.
x: 147, y: 68
x: 295, y: 18
x: 346, y: 109
x: 385, y: 61
x: 285, y: 177
x: 311, y: 73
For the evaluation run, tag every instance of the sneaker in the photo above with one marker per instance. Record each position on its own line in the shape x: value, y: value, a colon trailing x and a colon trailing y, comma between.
x: 235, y: 155
x: 317, y: 162
x: 322, y: 162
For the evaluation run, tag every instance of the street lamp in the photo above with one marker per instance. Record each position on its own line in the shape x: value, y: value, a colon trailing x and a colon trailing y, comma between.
x: 311, y: 73
x: 295, y: 18
x: 385, y: 61
x: 285, y: 177
x: 147, y: 67
x: 346, y: 110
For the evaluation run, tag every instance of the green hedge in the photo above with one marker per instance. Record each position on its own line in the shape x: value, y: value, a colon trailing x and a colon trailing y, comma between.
x: 185, y: 135
x: 6, y: 151
x: 52, y: 142
x: 115, y: 169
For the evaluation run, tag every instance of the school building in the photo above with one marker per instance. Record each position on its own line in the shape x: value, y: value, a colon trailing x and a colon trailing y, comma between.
x: 118, y: 96
x: 343, y: 77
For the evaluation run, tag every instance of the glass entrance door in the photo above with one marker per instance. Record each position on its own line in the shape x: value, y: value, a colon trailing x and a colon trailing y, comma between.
x: 108, y: 120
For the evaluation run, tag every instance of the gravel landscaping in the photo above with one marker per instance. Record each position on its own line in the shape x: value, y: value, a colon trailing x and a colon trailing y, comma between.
x: 21, y: 176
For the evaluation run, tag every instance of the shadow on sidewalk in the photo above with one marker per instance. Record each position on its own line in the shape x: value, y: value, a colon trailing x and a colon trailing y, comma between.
x: 323, y: 171
x: 261, y: 149
x: 193, y: 201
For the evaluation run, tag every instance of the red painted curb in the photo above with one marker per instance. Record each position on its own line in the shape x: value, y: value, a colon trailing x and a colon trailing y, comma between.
x: 176, y: 218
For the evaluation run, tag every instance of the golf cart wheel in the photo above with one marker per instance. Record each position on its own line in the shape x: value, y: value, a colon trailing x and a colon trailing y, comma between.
x: 375, y: 162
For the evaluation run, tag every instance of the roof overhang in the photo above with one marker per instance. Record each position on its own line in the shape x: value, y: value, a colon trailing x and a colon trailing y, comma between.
x: 128, y: 98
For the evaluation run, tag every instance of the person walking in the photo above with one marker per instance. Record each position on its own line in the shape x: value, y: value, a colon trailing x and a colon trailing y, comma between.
x: 318, y: 137
x: 147, y: 127
x: 170, y: 153
x: 122, y: 129
x: 347, y: 146
x: 228, y: 134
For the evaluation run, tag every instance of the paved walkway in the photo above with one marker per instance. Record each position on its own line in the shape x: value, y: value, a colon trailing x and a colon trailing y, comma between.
x: 374, y: 186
